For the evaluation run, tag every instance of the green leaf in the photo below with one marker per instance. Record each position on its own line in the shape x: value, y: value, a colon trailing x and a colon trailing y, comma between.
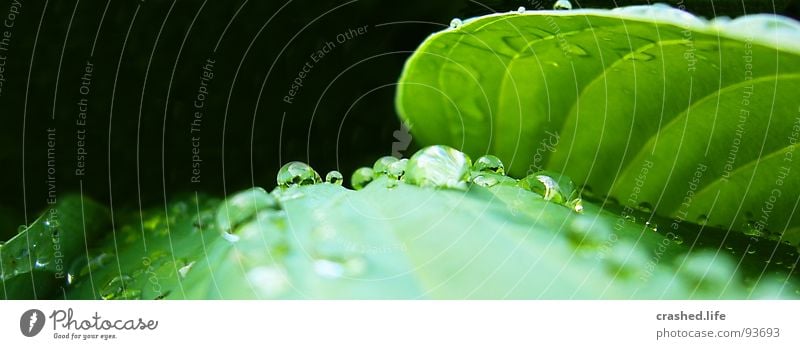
x: 647, y: 105
x: 392, y: 240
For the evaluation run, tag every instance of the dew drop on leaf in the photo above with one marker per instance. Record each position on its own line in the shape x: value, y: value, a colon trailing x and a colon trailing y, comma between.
x: 230, y: 237
x: 521, y: 9
x: 707, y: 270
x: 625, y: 260
x: 485, y: 181
x: 268, y: 281
x: 398, y: 168
x: 381, y: 166
x: 438, y: 166
x: 562, y: 5
x: 489, y: 163
x: 639, y: 56
x: 702, y: 220
x: 118, y: 288
x: 574, y: 49
x: 185, y: 270
x: 361, y: 177
x: 334, y: 177
x: 337, y: 268
x: 297, y: 173
x: 456, y: 23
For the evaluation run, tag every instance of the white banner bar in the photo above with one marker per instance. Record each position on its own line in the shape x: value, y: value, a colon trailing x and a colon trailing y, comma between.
x: 400, y: 324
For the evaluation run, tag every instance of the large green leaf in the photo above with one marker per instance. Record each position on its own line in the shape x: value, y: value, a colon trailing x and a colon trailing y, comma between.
x: 648, y: 105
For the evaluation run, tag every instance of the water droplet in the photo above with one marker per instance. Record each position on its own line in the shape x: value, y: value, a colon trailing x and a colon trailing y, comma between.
x: 185, y: 270
x: 381, y: 166
x: 230, y: 237
x: 562, y: 5
x: 488, y: 179
x: 521, y: 10
x: 119, y: 288
x: 576, y: 205
x: 551, y: 186
x: 489, y: 163
x: 438, y: 166
x: 336, y: 268
x: 750, y: 251
x: 242, y: 207
x: 456, y: 23
x: 639, y: 56
x: 707, y: 271
x: 645, y: 207
x: 21, y: 228
x: 626, y: 260
x: 334, y: 177
x: 297, y: 173
x: 269, y: 281
x: 361, y: 177
x: 398, y: 168
x: 287, y: 194
x: 678, y: 240
x: 702, y: 220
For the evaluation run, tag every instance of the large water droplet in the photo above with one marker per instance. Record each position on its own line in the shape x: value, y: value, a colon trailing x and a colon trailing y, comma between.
x: 456, y: 23
x: 21, y: 228
x: 297, y: 173
x: 562, y: 5
x: 489, y: 163
x: 521, y: 10
x: 639, y: 56
x: 438, y: 166
x: 334, y: 177
x: 381, y: 166
x: 361, y: 177
x: 243, y: 207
